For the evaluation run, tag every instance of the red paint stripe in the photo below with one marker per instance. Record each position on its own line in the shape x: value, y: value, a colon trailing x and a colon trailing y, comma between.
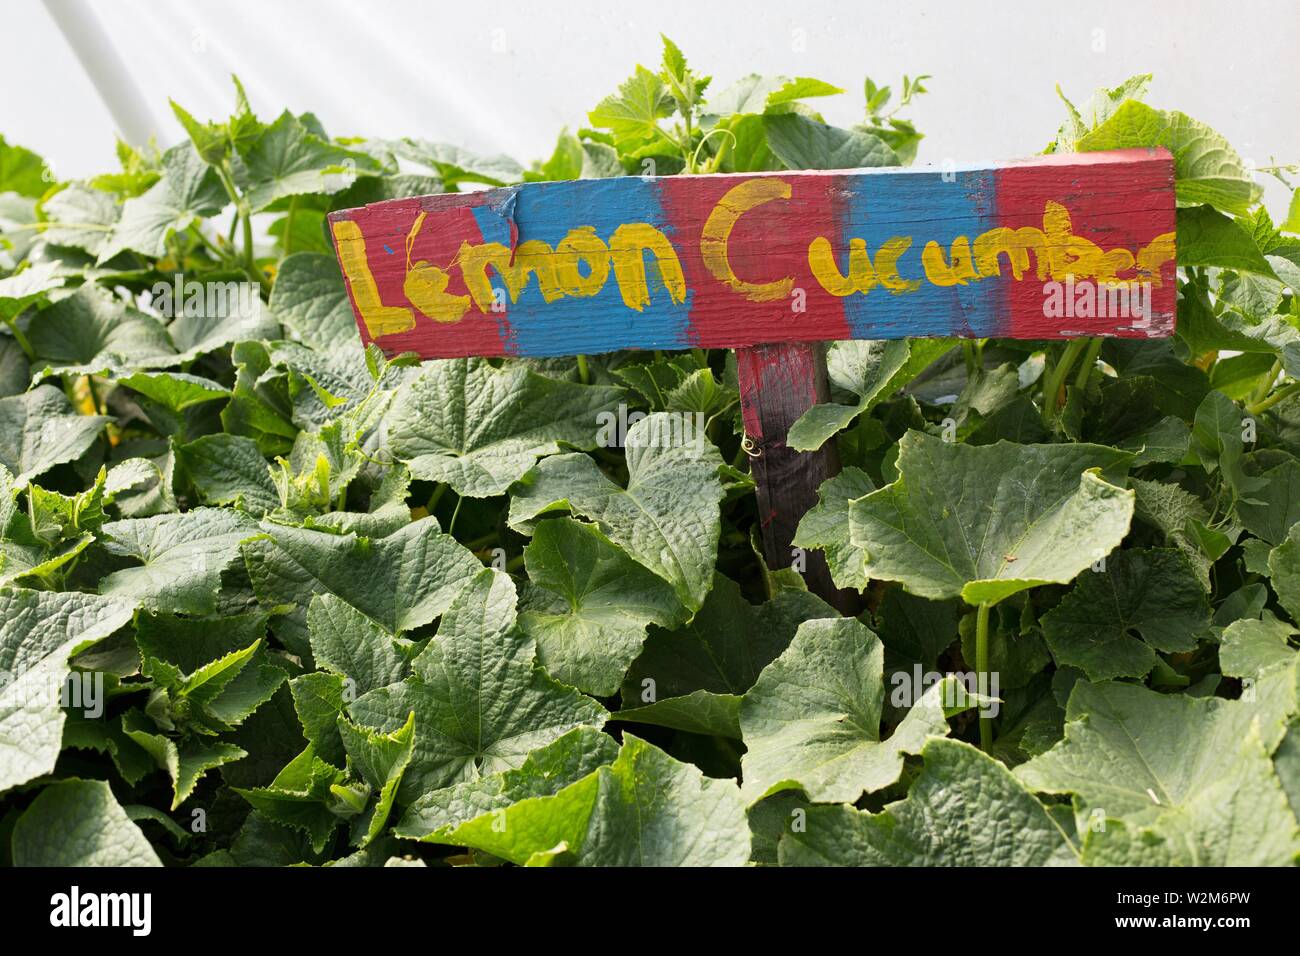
x: 437, y: 243
x: 1094, y: 188
x: 769, y: 242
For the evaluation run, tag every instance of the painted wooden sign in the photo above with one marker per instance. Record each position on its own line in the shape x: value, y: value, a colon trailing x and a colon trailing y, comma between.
x: 1057, y: 246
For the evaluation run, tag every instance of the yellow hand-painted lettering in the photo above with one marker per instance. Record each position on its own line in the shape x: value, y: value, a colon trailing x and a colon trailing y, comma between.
x: 379, y: 319
x: 717, y: 230
x: 579, y: 266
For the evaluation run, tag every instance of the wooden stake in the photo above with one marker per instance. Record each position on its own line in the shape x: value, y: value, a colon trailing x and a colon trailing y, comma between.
x: 778, y: 383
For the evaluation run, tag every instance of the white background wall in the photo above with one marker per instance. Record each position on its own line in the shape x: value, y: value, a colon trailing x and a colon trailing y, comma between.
x: 504, y: 77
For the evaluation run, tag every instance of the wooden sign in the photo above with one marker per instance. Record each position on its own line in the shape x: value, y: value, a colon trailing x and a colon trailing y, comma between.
x: 1078, y: 244
x: 770, y: 264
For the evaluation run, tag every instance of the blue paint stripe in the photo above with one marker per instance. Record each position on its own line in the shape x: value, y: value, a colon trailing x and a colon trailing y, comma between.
x: 600, y: 323
x: 913, y: 205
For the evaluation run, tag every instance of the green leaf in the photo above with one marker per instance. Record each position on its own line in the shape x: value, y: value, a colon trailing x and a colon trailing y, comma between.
x: 965, y: 809
x: 812, y: 720
x: 93, y: 330
x: 1113, y: 620
x: 300, y: 798
x: 230, y: 470
x: 1243, y: 820
x: 218, y: 324
x: 1181, y: 766
x: 588, y: 605
x: 310, y: 300
x: 177, y: 391
x: 188, y: 190
x: 826, y: 526
x: 402, y: 581
x: 346, y: 642
x: 79, y: 823
x: 987, y: 522
x: 319, y: 697
x: 1251, y: 648
x: 288, y: 159
x: 138, y: 170
x: 667, y: 518
x: 80, y: 217
x: 455, y: 165
x: 1098, y: 108
x: 182, y: 557
x: 693, y: 678
x: 1284, y: 570
x: 1171, y: 510
x: 1201, y: 330
x: 633, y: 113
x: 747, y: 95
x: 756, y: 94
x: 644, y: 809
x: 21, y: 289
x: 1274, y: 506
x: 1292, y: 222
x: 191, y: 642
x: 1257, y: 297
x: 141, y: 487
x: 803, y: 143
x: 185, y: 761
x: 566, y: 159
x: 479, y: 428
x: 380, y: 759
x: 480, y: 704
x: 800, y: 88
x: 916, y: 631
x: 39, y: 430
x: 53, y: 517
x: 701, y: 393
x: 210, y: 140
x: 219, y: 694
x: 435, y: 816
x: 320, y: 468
x: 711, y: 713
x: 1207, y: 237
x: 659, y: 378
x: 1206, y: 168
x: 106, y: 736
x: 872, y: 370
x: 686, y: 85
x: 39, y: 631
x: 22, y: 171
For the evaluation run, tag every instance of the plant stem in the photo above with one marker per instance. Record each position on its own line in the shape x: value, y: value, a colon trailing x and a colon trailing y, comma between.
x: 982, y: 669
x: 1282, y: 393
x: 21, y: 338
x: 1266, y: 386
x: 287, y: 238
x: 478, y: 544
x: 1089, y: 362
x: 451, y: 525
x: 249, y: 262
x: 208, y: 244
x: 100, y: 407
x: 583, y: 375
x: 690, y: 160
x: 244, y: 216
x: 1056, y: 378
x: 433, y: 498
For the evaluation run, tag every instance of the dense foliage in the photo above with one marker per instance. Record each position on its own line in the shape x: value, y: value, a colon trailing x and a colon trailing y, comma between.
x: 266, y: 598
